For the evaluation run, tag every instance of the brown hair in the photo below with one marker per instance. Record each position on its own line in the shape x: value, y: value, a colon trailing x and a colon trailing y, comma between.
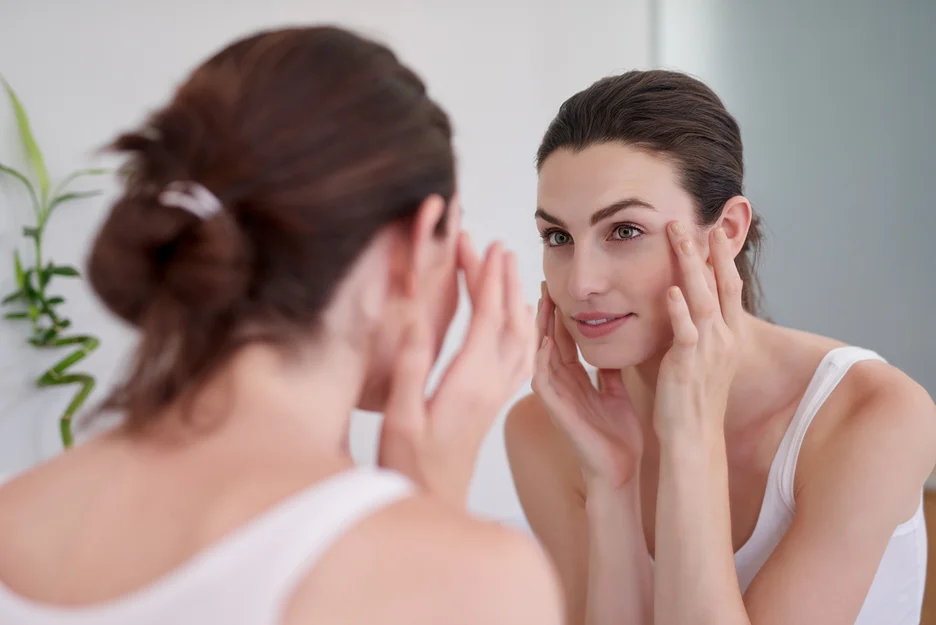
x: 676, y: 116
x: 313, y: 139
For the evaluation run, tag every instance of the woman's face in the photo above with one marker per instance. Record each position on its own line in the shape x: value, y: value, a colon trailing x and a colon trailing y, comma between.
x: 602, y: 213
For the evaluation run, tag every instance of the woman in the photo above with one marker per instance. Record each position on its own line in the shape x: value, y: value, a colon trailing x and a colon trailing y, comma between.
x: 289, y: 248
x: 725, y: 469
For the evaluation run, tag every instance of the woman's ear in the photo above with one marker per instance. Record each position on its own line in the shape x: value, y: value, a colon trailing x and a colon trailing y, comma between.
x: 736, y: 220
x: 425, y: 242
x: 415, y: 254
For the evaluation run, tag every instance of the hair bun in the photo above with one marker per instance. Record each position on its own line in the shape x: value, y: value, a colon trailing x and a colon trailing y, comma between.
x: 147, y: 252
x: 209, y: 269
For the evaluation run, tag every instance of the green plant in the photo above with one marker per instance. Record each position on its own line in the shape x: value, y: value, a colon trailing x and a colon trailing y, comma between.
x: 32, y: 297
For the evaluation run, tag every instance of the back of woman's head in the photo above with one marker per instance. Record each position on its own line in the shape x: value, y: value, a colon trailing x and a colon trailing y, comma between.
x: 679, y: 118
x: 313, y: 140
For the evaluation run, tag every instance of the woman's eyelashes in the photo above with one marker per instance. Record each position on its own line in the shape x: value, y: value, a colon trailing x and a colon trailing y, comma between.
x: 556, y: 237
x: 626, y: 232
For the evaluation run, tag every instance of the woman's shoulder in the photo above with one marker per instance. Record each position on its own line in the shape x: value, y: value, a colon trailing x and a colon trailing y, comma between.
x: 536, y: 447
x: 420, y: 560
x: 875, y: 394
x: 877, y: 423
x: 871, y: 388
x: 527, y: 422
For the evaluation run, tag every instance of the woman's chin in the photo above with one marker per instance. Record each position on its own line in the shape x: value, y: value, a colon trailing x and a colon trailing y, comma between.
x: 615, y: 356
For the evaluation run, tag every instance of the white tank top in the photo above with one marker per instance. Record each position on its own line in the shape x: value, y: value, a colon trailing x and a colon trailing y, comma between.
x: 247, y: 577
x: 896, y: 595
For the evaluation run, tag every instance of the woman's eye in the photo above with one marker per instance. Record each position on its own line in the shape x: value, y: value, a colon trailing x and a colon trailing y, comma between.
x: 558, y: 238
x: 626, y: 232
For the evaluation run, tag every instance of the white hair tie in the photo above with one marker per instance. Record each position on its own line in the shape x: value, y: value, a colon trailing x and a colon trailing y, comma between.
x: 193, y: 197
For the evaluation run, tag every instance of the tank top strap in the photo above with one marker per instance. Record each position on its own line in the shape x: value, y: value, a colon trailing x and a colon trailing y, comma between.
x: 830, y: 372
x: 247, y: 577
x: 314, y: 522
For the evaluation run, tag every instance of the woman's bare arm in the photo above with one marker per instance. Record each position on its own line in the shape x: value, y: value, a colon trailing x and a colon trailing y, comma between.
x: 593, y: 534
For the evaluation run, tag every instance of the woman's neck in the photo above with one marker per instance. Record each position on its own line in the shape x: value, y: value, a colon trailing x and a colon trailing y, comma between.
x: 265, y: 404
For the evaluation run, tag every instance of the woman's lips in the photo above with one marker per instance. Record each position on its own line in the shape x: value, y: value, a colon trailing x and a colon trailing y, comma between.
x: 594, y: 325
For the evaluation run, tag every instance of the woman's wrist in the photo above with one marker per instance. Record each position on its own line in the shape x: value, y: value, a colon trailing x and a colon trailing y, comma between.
x: 620, y: 572
x: 691, y: 439
x: 614, y: 504
x: 603, y: 486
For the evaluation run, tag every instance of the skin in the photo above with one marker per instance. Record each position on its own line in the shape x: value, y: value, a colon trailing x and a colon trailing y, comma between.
x: 70, y: 528
x: 670, y: 458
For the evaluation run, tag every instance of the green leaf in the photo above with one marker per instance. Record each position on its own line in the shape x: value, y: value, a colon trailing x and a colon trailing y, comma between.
x: 65, y: 429
x: 33, y: 154
x: 55, y: 301
x: 25, y: 181
x: 68, y: 197
x: 16, y: 315
x: 47, y: 335
x: 12, y: 297
x: 62, y: 270
x: 20, y: 275
x: 88, y: 343
x: 33, y: 312
x: 28, y: 288
x: 30, y: 232
x: 78, y: 174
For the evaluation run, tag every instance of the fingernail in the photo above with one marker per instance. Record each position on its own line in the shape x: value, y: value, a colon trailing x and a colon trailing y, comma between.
x: 720, y: 235
x: 686, y: 247
x: 675, y: 294
x: 678, y: 228
x: 543, y: 344
x: 542, y: 288
x: 539, y: 305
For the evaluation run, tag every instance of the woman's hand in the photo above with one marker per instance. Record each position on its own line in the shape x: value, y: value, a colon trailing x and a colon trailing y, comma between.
x: 695, y: 578
x: 601, y: 423
x: 707, y: 317
x: 435, y: 441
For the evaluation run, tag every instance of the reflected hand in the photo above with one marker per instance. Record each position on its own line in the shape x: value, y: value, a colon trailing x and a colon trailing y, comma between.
x: 707, y: 317
x: 600, y: 423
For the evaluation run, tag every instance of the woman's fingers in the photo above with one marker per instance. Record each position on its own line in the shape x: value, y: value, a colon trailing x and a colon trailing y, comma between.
x: 549, y: 324
x: 702, y: 303
x: 549, y: 309
x: 519, y: 329
x: 541, y: 368
x: 685, y: 333
x: 610, y: 382
x: 405, y: 408
x: 516, y: 308
x: 470, y: 264
x: 542, y: 316
x: 488, y: 304
x: 727, y: 279
x: 565, y: 344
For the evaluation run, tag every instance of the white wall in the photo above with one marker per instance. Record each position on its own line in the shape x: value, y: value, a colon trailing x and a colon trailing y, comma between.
x: 837, y: 106
x: 88, y: 69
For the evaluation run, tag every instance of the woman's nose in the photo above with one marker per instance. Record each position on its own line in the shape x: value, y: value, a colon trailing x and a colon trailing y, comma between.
x: 587, y: 277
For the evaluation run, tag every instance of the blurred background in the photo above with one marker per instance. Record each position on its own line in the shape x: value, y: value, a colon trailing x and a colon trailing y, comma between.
x: 836, y: 101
